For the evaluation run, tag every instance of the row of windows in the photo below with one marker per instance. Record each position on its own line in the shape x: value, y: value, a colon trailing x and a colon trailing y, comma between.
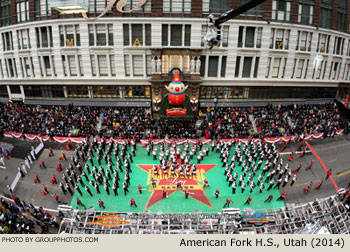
x: 72, y: 91
x: 172, y: 35
x: 144, y: 92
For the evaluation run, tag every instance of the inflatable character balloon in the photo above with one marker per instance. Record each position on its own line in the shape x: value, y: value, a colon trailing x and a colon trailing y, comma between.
x: 176, y: 90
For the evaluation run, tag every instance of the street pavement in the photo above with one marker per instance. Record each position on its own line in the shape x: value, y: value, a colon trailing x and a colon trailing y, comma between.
x: 334, y: 152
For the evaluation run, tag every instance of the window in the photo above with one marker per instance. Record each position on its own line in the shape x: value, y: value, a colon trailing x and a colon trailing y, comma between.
x: 223, y: 92
x: 146, y: 8
x: 249, y: 37
x: 5, y: 12
x: 213, y: 66
x: 338, y: 45
x: 299, y: 66
x: 42, y: 8
x: 281, y: 10
x: 44, y: 36
x: 216, y: 6
x: 305, y: 12
x: 47, y: 67
x: 23, y: 39
x: 176, y: 35
x: 22, y: 9
x: 72, y: 65
x: 43, y: 91
x: 250, y: 67
x: 177, y: 6
x: 279, y: 39
x: 3, y: 90
x: 100, y: 35
x: 7, y: 41
x: 256, y: 11
x: 77, y: 91
x: 97, y: 6
x: 112, y: 64
x: 238, y: 63
x: 27, y: 66
x: 102, y: 65
x: 223, y: 66
x: 137, y: 64
x: 136, y: 34
x: 69, y: 35
x: 304, y: 41
x: 11, y: 67
x: 326, y: 13
x: 203, y: 61
x: 341, y: 17
x: 180, y: 35
x: 140, y: 34
x: 323, y: 43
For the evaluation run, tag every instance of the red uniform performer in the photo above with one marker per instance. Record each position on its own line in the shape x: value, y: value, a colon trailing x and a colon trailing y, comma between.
x: 186, y: 194
x: 282, y: 197
x: 51, y: 152
x: 269, y: 198
x: 310, y: 165
x: 133, y: 203
x: 248, y: 201
x: 206, y: 183
x: 64, y: 155
x: 140, y: 189
x: 228, y: 201
x: 217, y: 193
x: 101, y: 203
x: 329, y: 173
x: 319, y: 185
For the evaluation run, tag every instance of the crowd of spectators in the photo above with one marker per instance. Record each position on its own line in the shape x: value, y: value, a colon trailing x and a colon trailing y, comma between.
x: 137, y: 123
x: 18, y: 217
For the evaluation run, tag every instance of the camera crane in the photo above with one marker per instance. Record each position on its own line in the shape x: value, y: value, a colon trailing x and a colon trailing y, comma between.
x: 213, y: 36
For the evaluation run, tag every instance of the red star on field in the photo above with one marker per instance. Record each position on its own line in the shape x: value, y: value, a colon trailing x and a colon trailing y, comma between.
x: 191, y: 184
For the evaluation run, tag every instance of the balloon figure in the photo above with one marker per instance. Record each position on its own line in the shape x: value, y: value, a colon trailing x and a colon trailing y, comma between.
x: 176, y: 90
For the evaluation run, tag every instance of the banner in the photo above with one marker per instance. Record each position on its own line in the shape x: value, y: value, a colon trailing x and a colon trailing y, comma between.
x: 169, y: 141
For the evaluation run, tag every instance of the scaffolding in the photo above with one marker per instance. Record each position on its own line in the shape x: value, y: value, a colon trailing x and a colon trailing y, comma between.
x: 326, y: 215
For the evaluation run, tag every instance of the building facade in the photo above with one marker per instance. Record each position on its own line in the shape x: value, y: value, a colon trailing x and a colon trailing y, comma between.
x: 280, y: 50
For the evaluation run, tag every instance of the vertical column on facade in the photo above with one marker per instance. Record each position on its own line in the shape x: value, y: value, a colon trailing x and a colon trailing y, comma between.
x: 67, y: 65
x: 76, y: 59
x: 109, y: 65
x: 30, y: 68
x: 16, y: 55
x: 206, y: 66
x: 252, y: 68
x: 241, y: 67
x: 334, y: 15
x: 13, y: 12
x: 264, y: 54
x: 144, y: 65
x: 157, y: 8
x: 31, y: 10
x: 43, y: 66
x: 9, y: 91
x: 296, y: 68
x: 219, y: 66
x: 231, y: 51
x: 97, y: 65
x: 316, y: 13
x: 196, y: 8
x: 157, y: 35
x: 107, y: 34
x: 244, y: 35
x: 94, y: 29
x: 22, y: 92
x: 14, y: 67
x: 131, y: 60
x: 183, y: 35
x: 169, y: 37
x: 85, y: 51
x: 267, y: 10
x: 305, y: 66
x: 57, y: 66
x: 294, y: 10
x: 7, y: 68
x: 272, y: 62
x: 119, y: 49
x: 196, y: 33
x: 34, y: 51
